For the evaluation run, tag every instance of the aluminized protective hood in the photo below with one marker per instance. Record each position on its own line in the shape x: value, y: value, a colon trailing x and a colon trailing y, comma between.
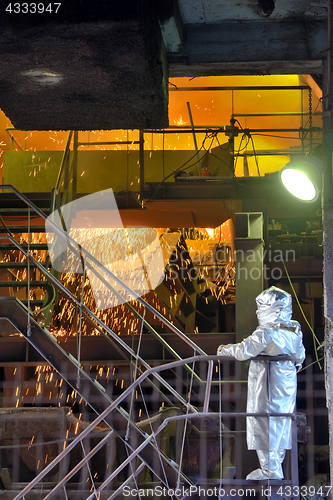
x: 274, y: 305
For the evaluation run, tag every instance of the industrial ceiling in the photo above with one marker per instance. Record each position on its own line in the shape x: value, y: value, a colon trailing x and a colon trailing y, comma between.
x: 106, y: 65
x: 215, y: 11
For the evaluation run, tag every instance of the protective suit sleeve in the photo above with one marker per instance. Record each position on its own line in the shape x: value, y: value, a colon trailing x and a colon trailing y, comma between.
x: 299, y: 351
x: 250, y: 347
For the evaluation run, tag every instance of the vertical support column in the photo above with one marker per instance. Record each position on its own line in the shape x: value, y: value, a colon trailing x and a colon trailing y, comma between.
x: 74, y: 165
x: 249, y: 284
x: 232, y: 140
x: 310, y: 410
x: 142, y: 165
x: 327, y: 211
x: 249, y: 270
x: 294, y: 459
x: 66, y: 197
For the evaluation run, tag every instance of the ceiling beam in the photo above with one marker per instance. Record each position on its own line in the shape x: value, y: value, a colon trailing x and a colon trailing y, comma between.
x: 261, y: 47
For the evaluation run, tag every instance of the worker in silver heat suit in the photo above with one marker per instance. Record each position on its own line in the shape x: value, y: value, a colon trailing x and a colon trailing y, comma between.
x: 272, y: 385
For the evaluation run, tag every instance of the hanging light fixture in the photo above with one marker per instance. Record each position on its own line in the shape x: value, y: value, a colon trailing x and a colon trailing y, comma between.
x: 266, y: 7
x: 302, y: 178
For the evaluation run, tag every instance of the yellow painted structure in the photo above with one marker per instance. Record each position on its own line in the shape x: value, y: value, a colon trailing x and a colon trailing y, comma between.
x: 120, y: 169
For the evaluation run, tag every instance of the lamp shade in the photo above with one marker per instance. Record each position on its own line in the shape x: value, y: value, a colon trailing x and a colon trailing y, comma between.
x: 302, y: 178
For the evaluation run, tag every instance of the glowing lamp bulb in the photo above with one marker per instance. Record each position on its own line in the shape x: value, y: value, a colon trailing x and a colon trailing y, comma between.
x: 302, y: 178
x: 298, y: 184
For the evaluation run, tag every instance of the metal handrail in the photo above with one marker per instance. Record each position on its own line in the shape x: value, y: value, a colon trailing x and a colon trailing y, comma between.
x: 106, y: 412
x: 55, y: 189
x: 153, y: 435
x: 64, y: 158
x: 13, y: 139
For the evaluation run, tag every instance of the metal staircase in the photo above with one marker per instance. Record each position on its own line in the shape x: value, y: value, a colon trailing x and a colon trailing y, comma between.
x: 118, y: 419
x: 180, y: 450
x: 13, y: 266
x: 91, y: 391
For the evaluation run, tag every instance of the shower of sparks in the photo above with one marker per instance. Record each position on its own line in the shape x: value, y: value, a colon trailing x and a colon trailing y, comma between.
x: 44, y: 386
x: 179, y: 121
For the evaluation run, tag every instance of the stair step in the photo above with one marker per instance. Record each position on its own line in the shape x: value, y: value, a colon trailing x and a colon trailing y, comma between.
x: 33, y: 302
x: 9, y: 201
x: 23, y: 229
x: 12, y: 265
x: 19, y: 284
x: 33, y: 246
x: 23, y: 210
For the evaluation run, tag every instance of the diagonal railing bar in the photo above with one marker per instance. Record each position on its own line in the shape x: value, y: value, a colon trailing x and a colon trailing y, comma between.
x: 185, y: 428
x: 135, y: 372
x: 128, y: 480
x: 100, y: 330
x: 13, y: 139
x: 152, y: 430
x: 79, y: 333
x: 64, y: 158
x: 66, y: 497
x: 91, y: 453
x: 86, y: 460
x: 79, y: 465
x: 123, y: 464
x: 145, y: 323
x: 159, y: 337
x: 132, y: 474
